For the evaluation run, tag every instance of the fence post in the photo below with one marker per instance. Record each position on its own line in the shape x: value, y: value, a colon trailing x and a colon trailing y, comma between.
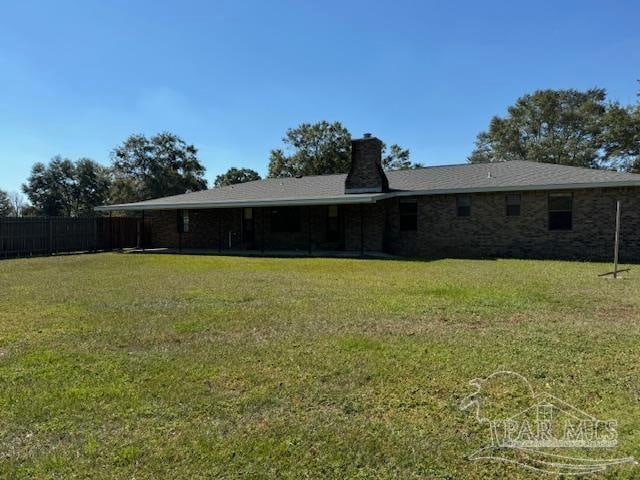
x: 50, y: 223
x: 95, y: 233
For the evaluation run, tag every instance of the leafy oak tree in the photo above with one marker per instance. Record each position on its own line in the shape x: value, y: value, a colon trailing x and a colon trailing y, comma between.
x: 621, y: 136
x: 324, y: 148
x: 235, y: 175
x: 162, y: 165
x: 553, y: 126
x: 68, y: 188
x: 397, y: 158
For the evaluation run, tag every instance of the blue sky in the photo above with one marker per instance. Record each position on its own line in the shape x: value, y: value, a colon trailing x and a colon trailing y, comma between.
x: 77, y: 77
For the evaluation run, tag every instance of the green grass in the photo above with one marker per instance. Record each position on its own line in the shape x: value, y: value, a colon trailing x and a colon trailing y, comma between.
x: 161, y: 366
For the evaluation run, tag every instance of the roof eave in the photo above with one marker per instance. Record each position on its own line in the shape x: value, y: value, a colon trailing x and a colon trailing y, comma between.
x: 520, y: 188
x: 361, y: 198
x: 277, y: 202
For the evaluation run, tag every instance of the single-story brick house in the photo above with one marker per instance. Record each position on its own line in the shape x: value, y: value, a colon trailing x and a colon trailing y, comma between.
x: 514, y: 208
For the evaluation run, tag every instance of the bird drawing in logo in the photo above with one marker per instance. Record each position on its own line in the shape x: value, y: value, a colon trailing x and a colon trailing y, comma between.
x: 530, y: 429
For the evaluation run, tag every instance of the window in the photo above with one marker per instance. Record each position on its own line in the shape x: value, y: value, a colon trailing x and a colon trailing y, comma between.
x: 285, y: 220
x: 333, y: 224
x: 183, y: 221
x: 513, y: 204
x: 560, y: 211
x: 408, y: 214
x: 463, y: 204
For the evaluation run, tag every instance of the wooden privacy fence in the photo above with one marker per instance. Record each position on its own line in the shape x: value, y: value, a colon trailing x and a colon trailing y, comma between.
x: 27, y: 236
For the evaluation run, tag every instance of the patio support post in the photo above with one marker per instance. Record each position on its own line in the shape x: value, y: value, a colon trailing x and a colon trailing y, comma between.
x: 262, y: 230
x: 361, y: 231
x: 180, y: 226
x: 219, y: 230
x: 142, y: 232
x: 309, y: 228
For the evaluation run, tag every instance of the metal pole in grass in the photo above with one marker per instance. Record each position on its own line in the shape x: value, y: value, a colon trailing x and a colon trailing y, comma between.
x: 616, y: 247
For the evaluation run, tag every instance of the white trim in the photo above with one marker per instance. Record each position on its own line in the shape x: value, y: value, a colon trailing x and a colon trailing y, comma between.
x: 361, y: 198
x: 245, y: 203
x: 518, y: 188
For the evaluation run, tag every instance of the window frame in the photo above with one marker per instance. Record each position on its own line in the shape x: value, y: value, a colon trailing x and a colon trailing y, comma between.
x: 183, y: 221
x: 467, y: 207
x: 554, y: 212
x: 509, y: 207
x: 408, y: 219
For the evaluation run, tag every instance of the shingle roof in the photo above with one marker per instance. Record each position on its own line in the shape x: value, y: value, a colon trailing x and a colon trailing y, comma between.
x: 323, y: 189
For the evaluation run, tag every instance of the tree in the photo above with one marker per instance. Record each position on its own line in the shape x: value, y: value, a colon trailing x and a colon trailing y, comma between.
x: 162, y: 165
x: 92, y: 185
x: 553, y: 126
x: 235, y: 175
x: 397, y: 158
x: 65, y: 188
x: 621, y: 136
x: 324, y: 148
x: 317, y: 149
x: 18, y: 205
x: 5, y: 204
x: 49, y: 187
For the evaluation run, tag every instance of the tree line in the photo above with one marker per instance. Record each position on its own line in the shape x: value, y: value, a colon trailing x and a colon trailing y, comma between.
x: 143, y: 168
x: 570, y: 127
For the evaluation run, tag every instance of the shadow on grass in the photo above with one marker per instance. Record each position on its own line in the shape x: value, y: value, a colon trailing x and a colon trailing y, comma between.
x: 298, y: 254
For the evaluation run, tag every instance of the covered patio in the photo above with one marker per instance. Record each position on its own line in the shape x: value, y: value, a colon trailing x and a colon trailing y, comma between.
x: 289, y: 230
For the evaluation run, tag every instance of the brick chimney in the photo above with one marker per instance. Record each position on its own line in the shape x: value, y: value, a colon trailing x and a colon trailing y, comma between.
x: 366, y: 174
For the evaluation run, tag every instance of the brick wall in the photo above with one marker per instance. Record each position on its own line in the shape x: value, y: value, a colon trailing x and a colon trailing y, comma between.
x: 489, y: 232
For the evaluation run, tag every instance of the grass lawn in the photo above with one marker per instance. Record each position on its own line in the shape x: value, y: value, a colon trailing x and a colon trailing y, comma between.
x: 161, y: 366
